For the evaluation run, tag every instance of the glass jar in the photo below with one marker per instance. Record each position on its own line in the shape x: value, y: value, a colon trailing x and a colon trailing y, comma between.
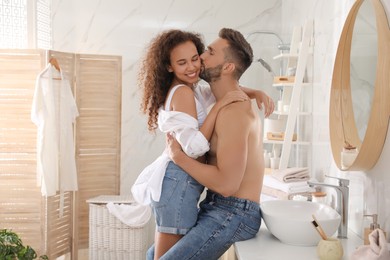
x: 319, y: 197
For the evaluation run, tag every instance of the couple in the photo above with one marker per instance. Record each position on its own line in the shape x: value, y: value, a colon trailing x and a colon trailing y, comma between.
x: 177, y: 103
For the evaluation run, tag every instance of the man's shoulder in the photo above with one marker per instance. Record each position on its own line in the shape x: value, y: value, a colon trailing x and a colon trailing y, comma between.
x: 237, y: 112
x: 242, y: 108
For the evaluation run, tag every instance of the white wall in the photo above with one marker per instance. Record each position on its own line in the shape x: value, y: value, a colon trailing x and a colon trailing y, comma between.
x: 123, y: 27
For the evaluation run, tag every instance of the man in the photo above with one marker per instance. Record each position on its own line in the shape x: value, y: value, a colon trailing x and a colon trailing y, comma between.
x: 234, y: 173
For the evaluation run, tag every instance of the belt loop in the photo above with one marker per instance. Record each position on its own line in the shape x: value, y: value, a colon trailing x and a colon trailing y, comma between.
x: 246, y: 205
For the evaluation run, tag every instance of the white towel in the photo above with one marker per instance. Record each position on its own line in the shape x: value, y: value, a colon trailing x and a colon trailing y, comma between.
x: 377, y: 250
x: 133, y: 215
x: 275, y: 193
x: 290, y: 187
x: 291, y: 174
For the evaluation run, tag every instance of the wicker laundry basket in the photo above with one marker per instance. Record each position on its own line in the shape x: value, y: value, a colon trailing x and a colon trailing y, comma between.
x: 109, y: 238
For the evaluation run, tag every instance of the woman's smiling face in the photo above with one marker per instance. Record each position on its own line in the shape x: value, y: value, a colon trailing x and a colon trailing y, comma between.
x: 185, y: 63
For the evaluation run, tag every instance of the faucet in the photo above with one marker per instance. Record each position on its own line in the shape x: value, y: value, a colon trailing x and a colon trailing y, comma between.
x: 342, y: 191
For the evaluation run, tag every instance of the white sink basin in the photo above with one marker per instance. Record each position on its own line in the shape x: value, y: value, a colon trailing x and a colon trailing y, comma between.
x: 291, y: 221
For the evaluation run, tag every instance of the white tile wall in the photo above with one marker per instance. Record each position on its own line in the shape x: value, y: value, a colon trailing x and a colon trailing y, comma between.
x: 123, y: 27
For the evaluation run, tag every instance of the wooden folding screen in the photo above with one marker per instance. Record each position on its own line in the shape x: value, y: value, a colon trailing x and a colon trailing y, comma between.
x: 96, y: 82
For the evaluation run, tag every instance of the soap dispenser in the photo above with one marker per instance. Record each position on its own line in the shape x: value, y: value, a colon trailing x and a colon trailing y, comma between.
x: 374, y: 225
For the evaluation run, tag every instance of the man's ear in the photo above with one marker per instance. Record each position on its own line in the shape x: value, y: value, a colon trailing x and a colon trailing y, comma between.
x: 229, y: 67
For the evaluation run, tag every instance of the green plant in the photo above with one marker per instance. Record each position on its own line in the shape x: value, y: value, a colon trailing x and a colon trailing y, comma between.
x: 12, y: 248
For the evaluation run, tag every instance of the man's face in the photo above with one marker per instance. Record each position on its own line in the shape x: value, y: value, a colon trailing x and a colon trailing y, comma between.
x: 213, y: 60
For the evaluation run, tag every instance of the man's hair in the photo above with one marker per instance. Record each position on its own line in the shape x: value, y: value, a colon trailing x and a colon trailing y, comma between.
x: 239, y: 51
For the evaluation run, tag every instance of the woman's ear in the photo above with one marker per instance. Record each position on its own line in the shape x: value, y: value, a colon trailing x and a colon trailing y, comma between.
x: 169, y: 68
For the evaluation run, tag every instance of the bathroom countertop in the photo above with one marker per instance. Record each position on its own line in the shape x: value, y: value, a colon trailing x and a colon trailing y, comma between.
x: 265, y: 246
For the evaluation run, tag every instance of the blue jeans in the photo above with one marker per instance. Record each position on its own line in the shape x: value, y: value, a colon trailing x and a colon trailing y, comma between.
x: 177, y: 210
x: 222, y: 221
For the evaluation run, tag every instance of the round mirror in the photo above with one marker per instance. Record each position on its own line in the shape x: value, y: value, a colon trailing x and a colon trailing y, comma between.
x: 364, y: 51
x: 361, y: 144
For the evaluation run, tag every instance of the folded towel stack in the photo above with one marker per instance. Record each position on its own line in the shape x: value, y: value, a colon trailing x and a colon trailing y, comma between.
x: 294, y: 174
x: 286, y: 183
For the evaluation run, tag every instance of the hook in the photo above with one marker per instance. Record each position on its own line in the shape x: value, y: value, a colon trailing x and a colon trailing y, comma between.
x: 54, y: 62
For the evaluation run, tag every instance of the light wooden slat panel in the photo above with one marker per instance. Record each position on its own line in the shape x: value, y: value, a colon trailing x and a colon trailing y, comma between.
x: 98, y: 95
x: 20, y: 200
x: 59, y: 227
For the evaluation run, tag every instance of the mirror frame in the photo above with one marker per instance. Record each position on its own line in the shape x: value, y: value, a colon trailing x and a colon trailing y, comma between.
x: 341, y: 119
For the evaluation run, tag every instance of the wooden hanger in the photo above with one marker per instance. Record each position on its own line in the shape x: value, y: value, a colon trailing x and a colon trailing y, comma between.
x: 54, y: 62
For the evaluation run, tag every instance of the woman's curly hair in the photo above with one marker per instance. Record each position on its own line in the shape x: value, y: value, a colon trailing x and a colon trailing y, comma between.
x: 154, y: 78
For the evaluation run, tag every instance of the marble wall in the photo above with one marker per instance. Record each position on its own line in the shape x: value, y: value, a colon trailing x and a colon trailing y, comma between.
x: 124, y: 27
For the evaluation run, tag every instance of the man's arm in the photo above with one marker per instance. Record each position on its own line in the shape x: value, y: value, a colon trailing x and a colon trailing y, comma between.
x: 225, y: 176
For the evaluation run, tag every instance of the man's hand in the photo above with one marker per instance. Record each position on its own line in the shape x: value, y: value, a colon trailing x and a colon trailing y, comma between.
x: 263, y: 100
x: 173, y: 146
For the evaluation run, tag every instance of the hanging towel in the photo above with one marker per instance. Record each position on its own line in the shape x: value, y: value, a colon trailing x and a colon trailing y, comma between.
x: 376, y: 250
x: 291, y: 174
x: 133, y: 215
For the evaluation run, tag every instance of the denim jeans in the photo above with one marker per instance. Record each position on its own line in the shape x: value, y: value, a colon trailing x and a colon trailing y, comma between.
x: 222, y: 221
x: 177, y: 210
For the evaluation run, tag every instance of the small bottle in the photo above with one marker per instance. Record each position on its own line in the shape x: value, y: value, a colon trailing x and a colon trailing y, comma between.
x: 374, y: 225
x: 280, y: 105
x: 266, y: 159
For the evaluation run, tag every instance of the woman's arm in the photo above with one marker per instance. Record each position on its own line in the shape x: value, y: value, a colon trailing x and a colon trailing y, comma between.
x: 208, y: 125
x: 225, y: 175
x: 262, y: 100
x: 194, y: 141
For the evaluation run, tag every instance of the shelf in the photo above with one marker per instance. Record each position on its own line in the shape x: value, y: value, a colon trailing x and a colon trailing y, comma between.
x: 291, y: 56
x: 291, y: 88
x: 266, y: 141
x: 285, y: 56
x: 290, y: 84
x: 287, y: 113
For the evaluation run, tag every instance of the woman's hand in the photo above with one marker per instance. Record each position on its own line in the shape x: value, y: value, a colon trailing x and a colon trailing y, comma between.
x: 173, y: 146
x: 263, y: 100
